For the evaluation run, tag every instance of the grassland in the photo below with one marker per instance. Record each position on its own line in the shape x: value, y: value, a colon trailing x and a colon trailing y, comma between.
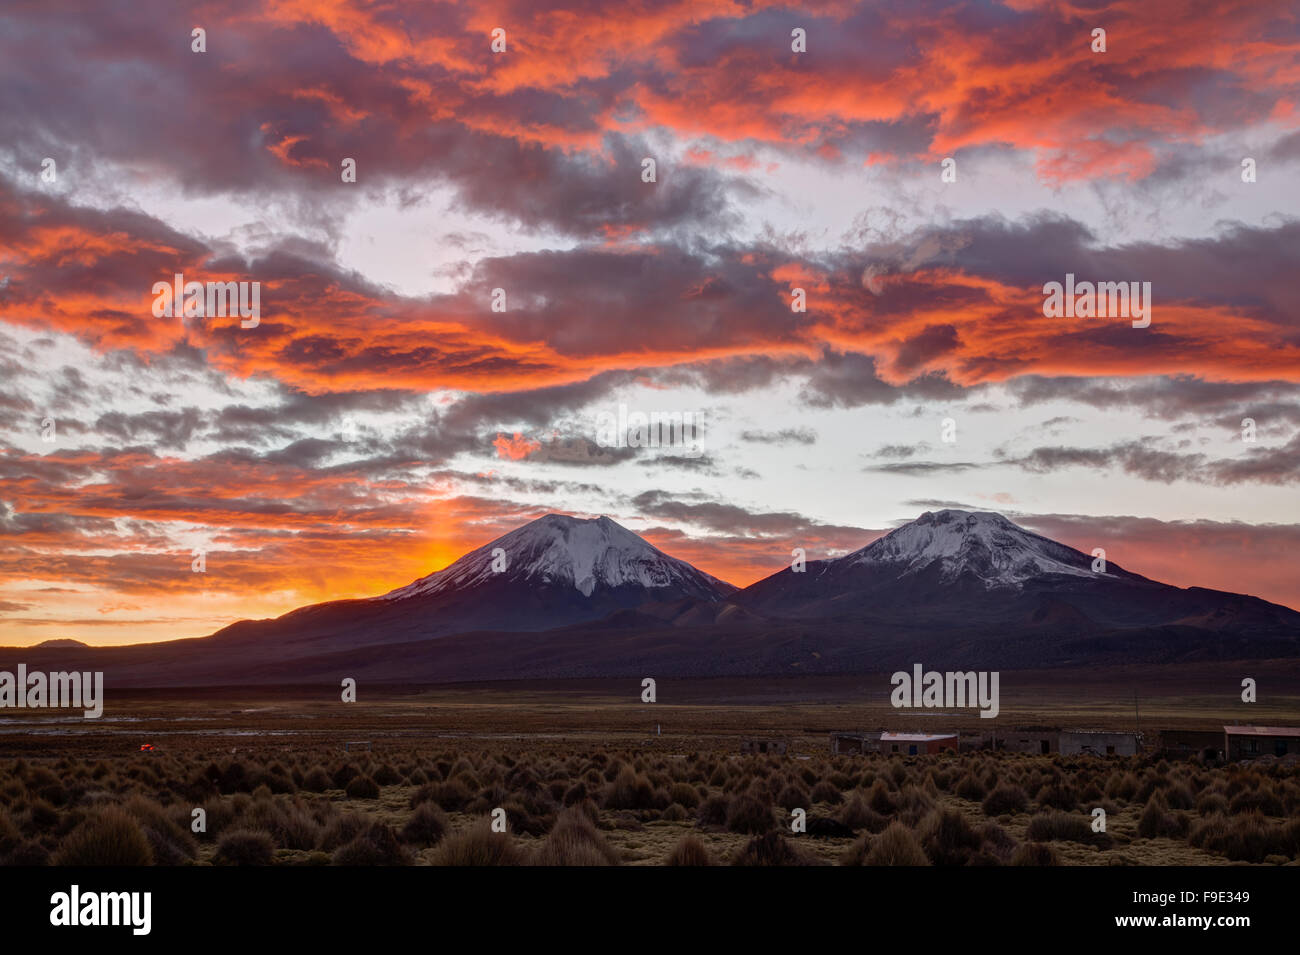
x: 587, y: 774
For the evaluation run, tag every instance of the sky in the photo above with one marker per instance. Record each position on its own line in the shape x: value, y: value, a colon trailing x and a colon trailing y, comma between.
x: 440, y: 336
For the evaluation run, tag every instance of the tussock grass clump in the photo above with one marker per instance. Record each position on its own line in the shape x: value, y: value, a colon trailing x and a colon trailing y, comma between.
x: 750, y: 815
x: 684, y: 794
x: 714, y: 810
x: 1157, y: 821
x: 245, y: 847
x: 1248, y: 838
x: 108, y: 838
x: 171, y: 843
x: 377, y: 845
x: 1005, y: 800
x: 9, y: 834
x: 451, y: 796
x: 341, y: 830
x: 690, y: 851
x: 1063, y: 826
x: 362, y: 787
x: 856, y: 813
x: 997, y: 842
x: 1057, y: 795
x: 827, y: 792
x: 317, y: 781
x: 969, y: 787
x: 896, y: 846
x: 478, y: 846
x: 881, y: 799
x: 1261, y: 800
x: 427, y: 825
x: 576, y: 841
x: 1035, y: 853
x: 948, y: 838
x: 773, y: 849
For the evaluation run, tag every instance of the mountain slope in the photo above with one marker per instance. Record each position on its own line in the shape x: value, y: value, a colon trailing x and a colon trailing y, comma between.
x: 973, y: 571
x: 562, y: 597
x: 553, y: 572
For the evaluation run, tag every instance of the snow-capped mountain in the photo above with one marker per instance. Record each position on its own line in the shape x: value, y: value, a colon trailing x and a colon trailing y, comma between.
x: 563, y: 597
x: 587, y: 555
x: 984, y: 545
x: 556, y: 571
x: 971, y: 573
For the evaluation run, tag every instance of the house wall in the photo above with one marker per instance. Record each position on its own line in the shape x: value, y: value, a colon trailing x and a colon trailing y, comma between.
x: 1240, y: 747
x: 922, y: 748
x: 1186, y: 743
x: 778, y: 746
x: 1100, y: 744
x: 846, y: 743
x: 1030, y: 741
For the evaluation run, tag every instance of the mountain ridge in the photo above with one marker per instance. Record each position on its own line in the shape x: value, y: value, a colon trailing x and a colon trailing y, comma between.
x: 571, y: 597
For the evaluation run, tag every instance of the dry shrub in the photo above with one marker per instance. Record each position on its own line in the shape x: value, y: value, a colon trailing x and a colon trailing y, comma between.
x: 1157, y: 821
x: 969, y: 787
x: 342, y: 829
x: 826, y: 791
x: 378, y: 845
x: 27, y: 853
x: 317, y: 781
x: 690, y: 850
x: 245, y: 847
x: 108, y: 838
x: 714, y: 811
x: 750, y: 815
x: 881, y: 800
x: 684, y: 794
x: 1035, y: 853
x: 1062, y: 826
x: 477, y: 846
x: 362, y: 787
x: 1261, y: 800
x: 896, y: 846
x: 773, y: 849
x: 1057, y: 795
x: 171, y: 844
x: 575, y: 841
x: 1211, y: 803
x: 451, y: 796
x: 9, y: 834
x: 427, y: 825
x: 997, y: 842
x: 1248, y: 838
x: 1005, y: 800
x: 948, y: 838
x: 856, y: 813
x: 1122, y: 786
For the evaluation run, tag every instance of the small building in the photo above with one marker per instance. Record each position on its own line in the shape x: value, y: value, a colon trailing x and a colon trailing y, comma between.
x: 1182, y: 744
x: 1031, y: 740
x: 1087, y: 743
x: 917, y: 744
x: 854, y: 743
x: 757, y: 745
x: 1251, y: 742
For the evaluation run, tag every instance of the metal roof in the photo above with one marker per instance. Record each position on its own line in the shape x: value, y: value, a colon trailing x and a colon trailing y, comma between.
x: 914, y: 737
x: 1262, y: 730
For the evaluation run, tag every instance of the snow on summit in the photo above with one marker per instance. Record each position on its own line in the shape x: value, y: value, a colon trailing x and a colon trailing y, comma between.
x: 984, y: 544
x: 557, y: 549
